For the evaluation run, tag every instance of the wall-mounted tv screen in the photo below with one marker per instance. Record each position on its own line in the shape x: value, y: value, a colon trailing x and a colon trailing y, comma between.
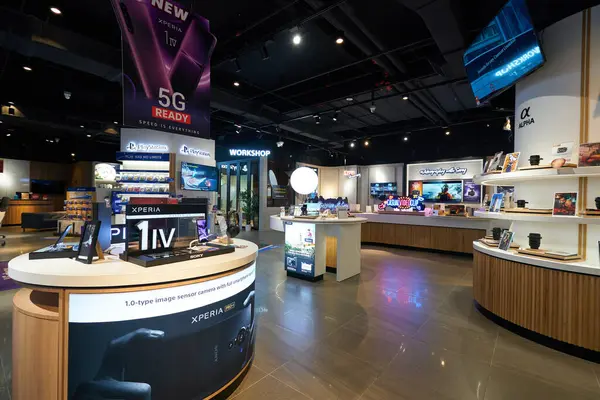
x: 506, y: 50
x: 47, y: 187
x: 443, y: 191
x: 384, y: 189
x: 198, y: 177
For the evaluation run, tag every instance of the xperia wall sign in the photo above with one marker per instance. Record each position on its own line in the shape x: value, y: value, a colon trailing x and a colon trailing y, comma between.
x: 166, y: 66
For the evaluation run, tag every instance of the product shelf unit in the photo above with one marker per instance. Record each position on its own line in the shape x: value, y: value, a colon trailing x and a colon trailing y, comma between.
x: 536, y: 174
x: 538, y: 218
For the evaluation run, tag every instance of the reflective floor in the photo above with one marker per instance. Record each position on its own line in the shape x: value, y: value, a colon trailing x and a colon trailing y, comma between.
x: 404, y: 329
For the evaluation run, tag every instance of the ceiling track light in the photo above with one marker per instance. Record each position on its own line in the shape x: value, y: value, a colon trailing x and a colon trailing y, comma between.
x: 55, y: 10
x: 264, y: 52
x: 27, y: 68
x: 405, y: 138
x: 335, y: 116
x: 236, y: 84
x: 297, y: 39
x: 367, y: 143
x: 317, y: 119
x: 507, y: 126
x: 447, y: 133
x: 404, y: 97
x: 238, y: 67
x: 352, y: 144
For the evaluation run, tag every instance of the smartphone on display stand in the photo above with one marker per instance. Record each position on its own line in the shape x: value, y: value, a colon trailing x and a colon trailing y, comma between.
x: 136, y: 25
x: 191, y: 60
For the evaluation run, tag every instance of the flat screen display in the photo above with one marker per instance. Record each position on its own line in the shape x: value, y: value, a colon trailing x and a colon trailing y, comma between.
x: 443, y: 191
x: 506, y: 50
x: 47, y: 187
x: 471, y: 192
x: 198, y: 177
x: 384, y: 189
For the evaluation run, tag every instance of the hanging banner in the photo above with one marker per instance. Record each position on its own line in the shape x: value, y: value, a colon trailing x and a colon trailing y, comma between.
x: 166, y: 66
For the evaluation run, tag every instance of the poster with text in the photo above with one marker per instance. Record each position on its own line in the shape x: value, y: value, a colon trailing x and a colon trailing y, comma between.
x: 300, y: 248
x: 166, y: 66
x: 184, y: 342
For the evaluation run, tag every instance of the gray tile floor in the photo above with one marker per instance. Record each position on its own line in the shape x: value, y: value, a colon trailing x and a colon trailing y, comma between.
x: 404, y: 329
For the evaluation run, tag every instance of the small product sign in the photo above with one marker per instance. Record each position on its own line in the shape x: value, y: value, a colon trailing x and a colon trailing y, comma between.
x: 166, y: 66
x: 300, y: 248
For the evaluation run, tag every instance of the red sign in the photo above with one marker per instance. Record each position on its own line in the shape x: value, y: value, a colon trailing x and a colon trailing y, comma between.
x: 170, y: 115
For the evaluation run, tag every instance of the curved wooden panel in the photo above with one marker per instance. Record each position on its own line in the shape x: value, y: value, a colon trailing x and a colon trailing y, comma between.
x: 424, y: 237
x: 561, y: 305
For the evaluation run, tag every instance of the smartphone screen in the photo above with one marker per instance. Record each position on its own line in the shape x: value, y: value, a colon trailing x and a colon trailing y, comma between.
x: 202, y: 229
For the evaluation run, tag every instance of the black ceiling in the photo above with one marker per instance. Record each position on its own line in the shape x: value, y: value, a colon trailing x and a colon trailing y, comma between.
x: 393, y: 49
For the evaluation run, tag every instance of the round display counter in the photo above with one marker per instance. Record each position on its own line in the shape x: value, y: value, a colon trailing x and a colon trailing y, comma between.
x: 552, y: 302
x: 113, y: 329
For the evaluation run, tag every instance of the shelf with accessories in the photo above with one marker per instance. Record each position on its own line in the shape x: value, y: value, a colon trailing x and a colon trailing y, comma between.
x: 524, y: 175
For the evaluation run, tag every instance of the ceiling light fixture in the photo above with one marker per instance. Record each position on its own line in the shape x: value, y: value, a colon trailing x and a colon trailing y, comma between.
x: 339, y: 40
x: 406, y: 138
x: 349, y: 99
x: 72, y: 154
x: 55, y: 10
x: 81, y: 126
x: 447, y: 133
x: 373, y: 108
x: 11, y: 103
x: 318, y: 120
x: 115, y: 122
x: 405, y: 98
x: 26, y: 68
x: 335, y: 116
x: 280, y: 143
x: 236, y: 84
x: 8, y: 135
x: 507, y: 126
x: 367, y: 143
x: 297, y: 39
x: 352, y: 144
x: 89, y: 135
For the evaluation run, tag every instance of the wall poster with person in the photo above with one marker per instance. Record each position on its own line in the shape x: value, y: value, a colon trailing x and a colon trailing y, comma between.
x: 184, y: 342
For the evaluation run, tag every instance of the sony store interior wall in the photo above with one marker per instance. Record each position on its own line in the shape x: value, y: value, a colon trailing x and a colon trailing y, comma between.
x: 174, y: 143
x: 15, y: 177
x: 552, y: 98
x: 333, y: 183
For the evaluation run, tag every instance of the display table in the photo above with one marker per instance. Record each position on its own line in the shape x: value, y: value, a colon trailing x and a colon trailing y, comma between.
x: 336, y: 245
x: 113, y: 329
x: 550, y: 301
x: 446, y: 233
x: 18, y: 207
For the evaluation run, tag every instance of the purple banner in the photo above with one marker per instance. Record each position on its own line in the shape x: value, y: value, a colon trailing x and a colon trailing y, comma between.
x: 166, y: 66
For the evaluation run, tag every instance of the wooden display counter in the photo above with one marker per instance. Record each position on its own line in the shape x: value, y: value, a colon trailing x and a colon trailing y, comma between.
x: 454, y: 234
x: 557, y: 303
x: 17, y: 207
x: 117, y: 330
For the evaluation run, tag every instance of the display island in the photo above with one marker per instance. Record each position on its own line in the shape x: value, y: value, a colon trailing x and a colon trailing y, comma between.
x: 117, y: 330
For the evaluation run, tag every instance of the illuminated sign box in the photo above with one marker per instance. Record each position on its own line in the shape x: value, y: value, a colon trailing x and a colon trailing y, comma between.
x: 249, y: 153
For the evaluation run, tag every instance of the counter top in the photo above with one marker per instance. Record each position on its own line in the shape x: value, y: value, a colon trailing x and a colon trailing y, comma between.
x: 113, y: 272
x: 352, y: 220
x: 406, y: 218
x: 578, y: 267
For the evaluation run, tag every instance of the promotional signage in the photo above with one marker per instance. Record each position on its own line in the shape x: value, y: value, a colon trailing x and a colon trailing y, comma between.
x: 300, y: 248
x: 351, y: 174
x: 461, y: 169
x: 157, y: 343
x: 403, y: 203
x: 526, y: 118
x: 147, y: 147
x: 166, y: 66
x: 127, y: 156
x: 249, y: 153
x: 190, y: 151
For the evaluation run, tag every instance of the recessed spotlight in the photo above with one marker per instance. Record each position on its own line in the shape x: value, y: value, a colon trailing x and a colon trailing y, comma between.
x: 72, y: 154
x: 447, y: 133
x: 115, y: 122
x: 89, y: 135
x: 8, y: 135
x: 405, y: 98
x: 236, y: 84
x: 488, y: 125
x: 81, y: 126
x: 0, y: 122
x: 339, y: 40
x: 349, y: 99
x: 55, y: 10
x: 11, y: 103
x: 26, y: 68
x: 297, y: 39
x: 367, y: 143
x: 352, y: 144
x: 405, y: 138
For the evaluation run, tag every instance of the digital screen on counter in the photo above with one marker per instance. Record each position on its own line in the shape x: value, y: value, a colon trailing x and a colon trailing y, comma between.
x: 198, y: 177
x: 384, y: 189
x: 442, y: 191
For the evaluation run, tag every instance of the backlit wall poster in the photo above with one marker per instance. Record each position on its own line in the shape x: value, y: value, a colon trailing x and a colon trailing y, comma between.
x: 166, y: 66
x: 300, y: 248
x: 183, y: 342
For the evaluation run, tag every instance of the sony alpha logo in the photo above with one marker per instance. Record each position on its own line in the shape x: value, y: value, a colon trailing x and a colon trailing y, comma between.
x: 145, y: 209
x: 526, y: 118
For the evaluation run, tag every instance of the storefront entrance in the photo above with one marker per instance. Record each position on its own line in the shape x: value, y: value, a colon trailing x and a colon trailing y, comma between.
x: 236, y: 177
